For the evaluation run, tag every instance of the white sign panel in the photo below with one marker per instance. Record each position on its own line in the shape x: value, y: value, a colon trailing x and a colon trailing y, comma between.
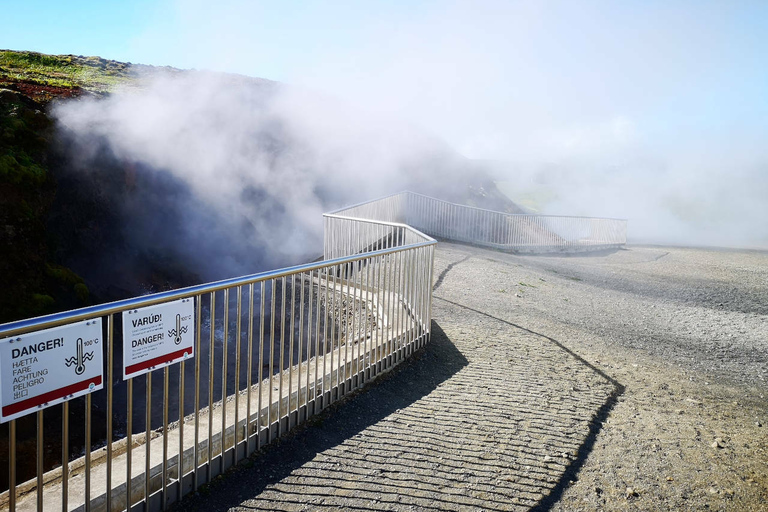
x: 157, y: 336
x: 47, y: 367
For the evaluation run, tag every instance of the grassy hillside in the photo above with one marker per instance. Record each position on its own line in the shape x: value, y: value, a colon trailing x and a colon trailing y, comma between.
x: 45, y: 77
x: 33, y: 283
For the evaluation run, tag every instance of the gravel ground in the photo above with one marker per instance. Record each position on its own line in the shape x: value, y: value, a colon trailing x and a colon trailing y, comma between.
x: 633, y: 380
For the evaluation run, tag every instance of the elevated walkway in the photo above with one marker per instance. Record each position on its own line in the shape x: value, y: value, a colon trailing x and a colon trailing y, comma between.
x: 487, y: 416
x: 372, y: 306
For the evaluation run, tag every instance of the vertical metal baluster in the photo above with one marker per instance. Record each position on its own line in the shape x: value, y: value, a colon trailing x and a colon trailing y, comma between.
x: 359, y: 247
x: 12, y: 465
x: 309, y: 340
x: 365, y: 288
x: 381, y: 341
x: 39, y: 461
x: 418, y: 288
x: 338, y: 295
x: 180, y: 463
x: 376, y: 318
x: 395, y: 297
x: 317, y: 343
x: 198, y: 357
x: 351, y: 338
x: 470, y: 220
x: 88, y: 448
x: 360, y: 332
x: 147, y: 442
x: 238, y: 340
x: 271, y: 361
x: 300, y: 349
x: 420, y: 285
x: 427, y: 292
x: 262, y: 299
x: 415, y: 291
x: 347, y: 333
x: 415, y: 316
x: 129, y: 445
x: 212, y: 316
x: 330, y: 316
x: 290, y: 350
x: 404, y: 299
x: 436, y: 217
x: 394, y: 304
x: 403, y: 311
x: 336, y: 336
x: 349, y: 232
x: 323, y: 382
x: 283, y: 315
x: 110, y: 379
x: 224, y: 372
x: 431, y: 284
x: 390, y: 307
x: 64, y: 456
x: 325, y: 237
x: 499, y: 229
x: 354, y: 333
x: 248, y: 379
x: 164, y: 483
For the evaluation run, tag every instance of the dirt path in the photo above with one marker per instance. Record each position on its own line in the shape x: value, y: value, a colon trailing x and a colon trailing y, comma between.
x: 588, y: 383
x: 683, y: 331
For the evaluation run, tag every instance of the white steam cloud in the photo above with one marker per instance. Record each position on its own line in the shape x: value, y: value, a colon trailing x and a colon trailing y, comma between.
x: 267, y: 159
x: 653, y: 112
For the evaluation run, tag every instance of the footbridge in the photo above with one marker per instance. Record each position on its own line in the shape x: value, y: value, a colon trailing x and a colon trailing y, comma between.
x: 144, y: 401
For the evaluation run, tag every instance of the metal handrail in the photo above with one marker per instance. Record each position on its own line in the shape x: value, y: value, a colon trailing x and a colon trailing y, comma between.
x: 512, y: 232
x: 11, y: 329
x: 468, y: 207
x: 314, y: 333
x: 292, y: 341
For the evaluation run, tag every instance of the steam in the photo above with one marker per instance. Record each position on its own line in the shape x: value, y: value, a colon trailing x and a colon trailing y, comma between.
x: 241, y: 169
x: 703, y: 198
x: 655, y: 113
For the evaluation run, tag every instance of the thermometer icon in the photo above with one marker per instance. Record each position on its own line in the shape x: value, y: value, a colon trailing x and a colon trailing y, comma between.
x: 178, y: 331
x: 80, y: 359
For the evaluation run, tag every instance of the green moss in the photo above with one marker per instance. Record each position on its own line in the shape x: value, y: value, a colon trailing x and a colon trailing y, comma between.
x: 63, y: 275
x: 41, y: 303
x: 25, y: 172
x: 32, y: 60
x: 68, y: 71
x: 81, y: 292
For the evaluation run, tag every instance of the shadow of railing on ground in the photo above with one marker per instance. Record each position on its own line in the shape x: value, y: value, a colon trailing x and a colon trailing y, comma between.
x: 434, y: 434
x: 327, y: 436
x: 595, y: 423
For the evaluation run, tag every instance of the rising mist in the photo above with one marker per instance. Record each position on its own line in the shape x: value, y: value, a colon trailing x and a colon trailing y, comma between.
x: 227, y: 175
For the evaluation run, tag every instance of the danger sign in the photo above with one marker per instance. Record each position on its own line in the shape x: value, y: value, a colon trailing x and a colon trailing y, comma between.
x: 157, y: 336
x: 47, y: 367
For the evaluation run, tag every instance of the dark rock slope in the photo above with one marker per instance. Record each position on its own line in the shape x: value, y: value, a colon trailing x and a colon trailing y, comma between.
x: 68, y: 224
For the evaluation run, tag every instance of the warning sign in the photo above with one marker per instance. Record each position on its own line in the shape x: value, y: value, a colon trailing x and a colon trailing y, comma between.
x: 157, y: 336
x: 47, y: 367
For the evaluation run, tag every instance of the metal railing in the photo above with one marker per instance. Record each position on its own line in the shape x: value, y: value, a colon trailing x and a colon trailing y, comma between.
x: 514, y: 232
x: 270, y: 350
x: 499, y: 230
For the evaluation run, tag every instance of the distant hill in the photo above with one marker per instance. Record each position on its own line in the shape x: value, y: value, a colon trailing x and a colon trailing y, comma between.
x: 85, y: 218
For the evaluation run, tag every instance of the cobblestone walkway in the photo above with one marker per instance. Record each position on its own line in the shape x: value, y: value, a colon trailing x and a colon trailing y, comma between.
x: 489, y: 416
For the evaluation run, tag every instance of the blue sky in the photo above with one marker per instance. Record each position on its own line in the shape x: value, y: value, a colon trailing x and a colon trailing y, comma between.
x: 565, y: 79
x: 652, y: 110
